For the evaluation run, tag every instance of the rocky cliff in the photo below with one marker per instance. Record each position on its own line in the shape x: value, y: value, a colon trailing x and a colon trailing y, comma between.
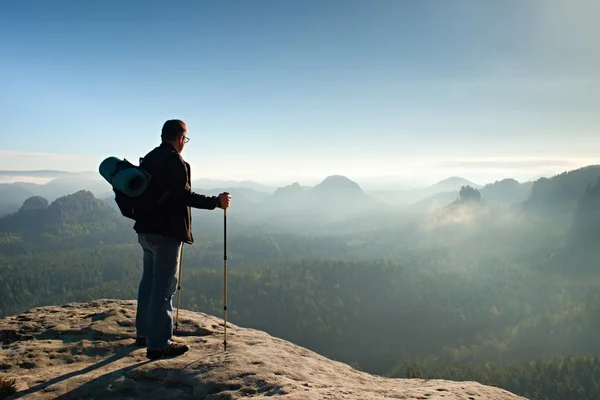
x: 87, y: 351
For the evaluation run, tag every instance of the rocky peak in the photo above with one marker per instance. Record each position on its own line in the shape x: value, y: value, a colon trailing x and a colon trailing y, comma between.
x: 34, y: 203
x: 455, y: 180
x: 292, y: 189
x: 87, y: 350
x: 338, y: 182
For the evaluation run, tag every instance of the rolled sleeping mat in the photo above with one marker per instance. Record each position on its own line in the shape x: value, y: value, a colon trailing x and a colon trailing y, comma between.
x: 124, y: 176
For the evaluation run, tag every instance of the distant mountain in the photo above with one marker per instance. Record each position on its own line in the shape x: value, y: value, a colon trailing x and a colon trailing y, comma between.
x: 289, y: 192
x: 12, y: 196
x: 335, y: 183
x: 404, y: 198
x: 337, y: 192
x: 61, y: 185
x: 453, y: 183
x: 335, y: 198
x: 558, y: 194
x: 14, y: 192
x: 563, y: 192
x: 507, y: 192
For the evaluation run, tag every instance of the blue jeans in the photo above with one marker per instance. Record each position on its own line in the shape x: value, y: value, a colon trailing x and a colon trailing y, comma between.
x: 154, y: 315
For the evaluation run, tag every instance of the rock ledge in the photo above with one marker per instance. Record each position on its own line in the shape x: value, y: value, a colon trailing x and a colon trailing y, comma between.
x: 87, y: 351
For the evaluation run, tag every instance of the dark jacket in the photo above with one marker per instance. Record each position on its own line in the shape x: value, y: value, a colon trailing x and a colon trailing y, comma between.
x: 170, y: 185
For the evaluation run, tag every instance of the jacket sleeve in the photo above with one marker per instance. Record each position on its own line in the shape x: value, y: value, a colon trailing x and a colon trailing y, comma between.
x: 181, y: 192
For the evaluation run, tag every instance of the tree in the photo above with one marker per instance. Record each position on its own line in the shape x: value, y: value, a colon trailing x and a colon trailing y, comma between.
x: 469, y: 194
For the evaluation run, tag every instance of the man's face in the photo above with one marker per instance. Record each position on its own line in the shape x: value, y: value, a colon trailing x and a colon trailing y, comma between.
x: 181, y: 141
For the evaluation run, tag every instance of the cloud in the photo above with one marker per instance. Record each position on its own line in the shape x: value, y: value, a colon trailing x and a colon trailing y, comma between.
x: 509, y: 163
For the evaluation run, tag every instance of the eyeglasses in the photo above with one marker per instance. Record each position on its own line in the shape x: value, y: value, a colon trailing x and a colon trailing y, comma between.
x: 186, y: 139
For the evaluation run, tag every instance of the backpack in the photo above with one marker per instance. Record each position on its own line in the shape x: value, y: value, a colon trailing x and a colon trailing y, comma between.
x: 140, y: 205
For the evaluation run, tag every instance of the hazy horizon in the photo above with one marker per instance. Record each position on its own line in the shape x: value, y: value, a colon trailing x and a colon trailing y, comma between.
x: 417, y: 173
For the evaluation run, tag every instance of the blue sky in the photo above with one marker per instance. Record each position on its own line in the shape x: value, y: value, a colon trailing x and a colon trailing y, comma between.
x: 292, y: 90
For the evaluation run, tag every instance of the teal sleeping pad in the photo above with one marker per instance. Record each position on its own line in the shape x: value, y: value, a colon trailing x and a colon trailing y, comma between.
x: 124, y: 176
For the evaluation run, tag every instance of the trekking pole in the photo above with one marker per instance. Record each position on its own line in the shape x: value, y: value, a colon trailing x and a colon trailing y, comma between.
x: 179, y: 287
x: 225, y: 276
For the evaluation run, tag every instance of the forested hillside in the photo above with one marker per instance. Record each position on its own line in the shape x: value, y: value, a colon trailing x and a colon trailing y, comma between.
x: 562, y: 192
x: 469, y: 292
x: 583, y: 250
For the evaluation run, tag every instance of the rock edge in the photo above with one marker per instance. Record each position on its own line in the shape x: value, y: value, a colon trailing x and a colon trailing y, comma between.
x: 88, y: 351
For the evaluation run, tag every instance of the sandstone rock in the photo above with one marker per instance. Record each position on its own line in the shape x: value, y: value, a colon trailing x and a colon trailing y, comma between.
x: 87, y: 351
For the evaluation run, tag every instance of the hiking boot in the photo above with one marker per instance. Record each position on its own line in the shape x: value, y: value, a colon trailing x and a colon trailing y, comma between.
x: 140, y: 341
x: 172, y: 350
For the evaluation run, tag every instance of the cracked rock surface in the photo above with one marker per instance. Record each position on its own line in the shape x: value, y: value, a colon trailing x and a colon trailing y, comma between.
x: 87, y: 351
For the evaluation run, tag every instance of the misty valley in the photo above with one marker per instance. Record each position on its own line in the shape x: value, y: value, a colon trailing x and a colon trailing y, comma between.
x: 497, y: 283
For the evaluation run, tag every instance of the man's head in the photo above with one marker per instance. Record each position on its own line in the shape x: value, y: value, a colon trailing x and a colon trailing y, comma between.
x: 174, y: 131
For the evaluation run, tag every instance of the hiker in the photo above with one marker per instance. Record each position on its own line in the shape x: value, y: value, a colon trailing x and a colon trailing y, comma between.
x: 162, y: 235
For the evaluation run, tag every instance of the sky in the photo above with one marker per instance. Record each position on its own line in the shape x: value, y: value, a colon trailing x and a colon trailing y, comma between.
x: 278, y: 91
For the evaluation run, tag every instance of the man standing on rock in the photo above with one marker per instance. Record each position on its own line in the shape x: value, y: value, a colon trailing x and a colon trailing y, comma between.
x: 161, y: 234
